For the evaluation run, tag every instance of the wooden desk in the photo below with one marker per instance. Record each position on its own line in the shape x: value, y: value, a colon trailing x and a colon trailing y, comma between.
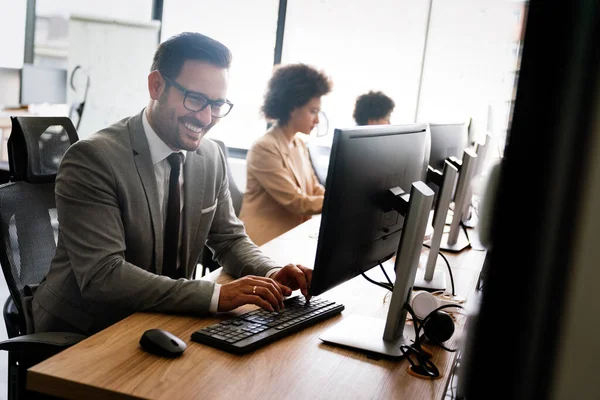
x: 112, y: 364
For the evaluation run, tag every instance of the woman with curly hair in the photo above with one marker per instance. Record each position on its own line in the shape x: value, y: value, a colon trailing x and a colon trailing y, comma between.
x: 282, y: 190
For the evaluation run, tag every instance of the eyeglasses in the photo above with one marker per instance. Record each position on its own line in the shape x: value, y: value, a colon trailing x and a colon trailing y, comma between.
x: 196, y: 101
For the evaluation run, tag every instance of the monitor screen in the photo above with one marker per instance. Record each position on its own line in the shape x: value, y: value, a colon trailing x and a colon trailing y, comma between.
x: 356, y: 233
x: 447, y: 140
x: 43, y: 85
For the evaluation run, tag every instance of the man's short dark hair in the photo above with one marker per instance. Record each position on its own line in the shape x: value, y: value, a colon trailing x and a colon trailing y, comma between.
x: 372, y: 106
x: 172, y: 53
x: 292, y: 86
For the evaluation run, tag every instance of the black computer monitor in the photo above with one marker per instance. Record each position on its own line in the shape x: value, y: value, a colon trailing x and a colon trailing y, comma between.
x: 376, y: 206
x: 356, y: 233
x: 447, y: 140
x: 43, y: 85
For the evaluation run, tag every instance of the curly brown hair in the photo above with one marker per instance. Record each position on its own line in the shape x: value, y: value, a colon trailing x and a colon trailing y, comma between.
x: 372, y: 105
x: 292, y: 86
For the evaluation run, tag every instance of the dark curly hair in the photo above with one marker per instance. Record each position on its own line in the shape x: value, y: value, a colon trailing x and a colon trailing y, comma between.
x: 173, y: 52
x: 373, y: 105
x: 292, y: 86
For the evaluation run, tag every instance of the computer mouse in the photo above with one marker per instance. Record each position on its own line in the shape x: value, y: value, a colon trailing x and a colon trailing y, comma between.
x: 162, y: 343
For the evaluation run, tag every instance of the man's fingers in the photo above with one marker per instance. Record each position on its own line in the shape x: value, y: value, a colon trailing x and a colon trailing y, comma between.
x: 301, y: 279
x: 306, y: 280
x: 267, y: 282
x: 284, y: 289
x: 266, y: 294
x: 269, y: 291
x: 259, y: 301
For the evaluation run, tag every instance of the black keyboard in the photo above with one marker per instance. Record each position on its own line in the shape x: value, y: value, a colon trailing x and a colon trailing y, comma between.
x: 249, y: 331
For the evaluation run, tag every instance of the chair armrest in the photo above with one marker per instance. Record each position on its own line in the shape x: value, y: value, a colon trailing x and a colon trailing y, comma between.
x: 41, y: 341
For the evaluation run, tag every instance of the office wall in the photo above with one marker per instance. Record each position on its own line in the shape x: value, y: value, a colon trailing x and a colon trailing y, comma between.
x: 138, y: 10
x: 51, y: 23
x: 116, y: 56
x: 9, y: 82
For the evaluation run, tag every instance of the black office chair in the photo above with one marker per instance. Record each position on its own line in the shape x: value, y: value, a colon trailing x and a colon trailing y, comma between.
x: 208, y: 264
x: 28, y: 233
x: 319, y: 158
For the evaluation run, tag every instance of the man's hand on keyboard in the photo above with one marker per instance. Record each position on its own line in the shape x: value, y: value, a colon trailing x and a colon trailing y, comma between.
x: 264, y: 292
x: 295, y: 277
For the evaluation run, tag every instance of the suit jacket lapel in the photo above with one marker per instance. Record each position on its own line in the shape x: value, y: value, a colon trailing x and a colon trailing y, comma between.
x: 145, y: 169
x: 194, y: 175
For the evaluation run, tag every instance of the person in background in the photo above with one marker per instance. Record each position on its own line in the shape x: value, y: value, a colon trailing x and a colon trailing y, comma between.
x: 373, y: 108
x: 282, y: 190
x: 138, y: 200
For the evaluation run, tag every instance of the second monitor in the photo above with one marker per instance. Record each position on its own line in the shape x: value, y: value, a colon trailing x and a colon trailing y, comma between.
x: 447, y: 140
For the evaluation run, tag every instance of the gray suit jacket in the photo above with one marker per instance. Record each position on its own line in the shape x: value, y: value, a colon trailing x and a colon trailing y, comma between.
x: 110, y: 246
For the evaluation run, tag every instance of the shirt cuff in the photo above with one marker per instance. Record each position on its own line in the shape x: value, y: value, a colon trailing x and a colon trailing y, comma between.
x: 214, y: 301
x: 272, y: 272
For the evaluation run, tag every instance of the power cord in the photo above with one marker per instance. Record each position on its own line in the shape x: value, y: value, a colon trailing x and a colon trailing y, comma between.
x: 420, y: 359
x: 381, y: 284
x: 463, y: 226
x: 386, y: 275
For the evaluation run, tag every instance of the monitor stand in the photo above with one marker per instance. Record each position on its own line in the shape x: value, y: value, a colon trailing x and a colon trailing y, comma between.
x: 456, y: 240
x: 365, y: 333
x: 431, y: 278
x: 456, y: 246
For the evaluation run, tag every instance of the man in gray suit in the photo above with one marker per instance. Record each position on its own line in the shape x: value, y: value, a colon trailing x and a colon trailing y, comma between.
x: 128, y: 240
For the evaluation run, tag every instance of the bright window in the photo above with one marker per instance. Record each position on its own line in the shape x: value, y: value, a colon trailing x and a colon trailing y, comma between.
x: 362, y: 47
x: 471, y: 65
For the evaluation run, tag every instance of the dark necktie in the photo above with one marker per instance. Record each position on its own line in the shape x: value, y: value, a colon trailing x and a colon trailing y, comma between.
x: 171, y: 243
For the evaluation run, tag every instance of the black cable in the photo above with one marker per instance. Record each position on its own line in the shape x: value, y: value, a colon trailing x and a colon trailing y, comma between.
x: 447, y: 265
x: 386, y: 275
x: 425, y: 362
x: 383, y: 285
x: 449, y: 272
x: 465, y: 231
x: 426, y: 367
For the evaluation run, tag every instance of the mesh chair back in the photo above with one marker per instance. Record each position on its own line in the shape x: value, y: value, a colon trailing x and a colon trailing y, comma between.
x: 36, y: 146
x: 28, y: 219
x: 28, y: 233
